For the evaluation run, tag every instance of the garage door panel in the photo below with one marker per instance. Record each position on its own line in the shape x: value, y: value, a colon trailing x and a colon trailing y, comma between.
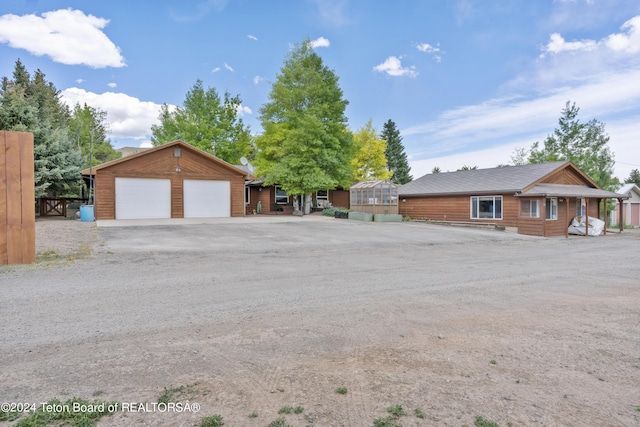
x: 207, y: 199
x: 143, y: 198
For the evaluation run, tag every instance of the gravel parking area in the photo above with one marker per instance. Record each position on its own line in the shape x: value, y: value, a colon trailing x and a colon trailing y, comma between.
x: 249, y: 315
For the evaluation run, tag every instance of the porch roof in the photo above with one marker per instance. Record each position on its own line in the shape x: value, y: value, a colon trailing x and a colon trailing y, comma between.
x: 563, y: 190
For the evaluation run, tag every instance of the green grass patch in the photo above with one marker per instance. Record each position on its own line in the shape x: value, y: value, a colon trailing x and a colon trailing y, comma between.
x: 386, y: 422
x: 298, y: 410
x: 285, y: 410
x: 419, y: 413
x: 74, y: 412
x: 175, y: 394
x: 212, y: 421
x: 396, y: 410
x: 482, y: 422
x: 279, y: 422
x: 341, y: 390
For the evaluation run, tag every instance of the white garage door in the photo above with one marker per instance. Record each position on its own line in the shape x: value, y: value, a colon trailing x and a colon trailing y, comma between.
x: 207, y: 199
x: 138, y: 198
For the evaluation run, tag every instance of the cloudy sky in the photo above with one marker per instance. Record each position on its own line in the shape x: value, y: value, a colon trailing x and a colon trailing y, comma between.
x: 466, y: 81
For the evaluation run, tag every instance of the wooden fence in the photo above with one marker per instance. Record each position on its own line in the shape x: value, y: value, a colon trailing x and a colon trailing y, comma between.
x: 17, y: 207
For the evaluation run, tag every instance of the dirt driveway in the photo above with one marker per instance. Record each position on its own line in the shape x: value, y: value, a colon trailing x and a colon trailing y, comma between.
x: 246, y: 317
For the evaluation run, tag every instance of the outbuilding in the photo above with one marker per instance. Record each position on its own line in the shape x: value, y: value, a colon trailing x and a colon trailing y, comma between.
x: 535, y: 199
x: 630, y: 207
x: 174, y: 180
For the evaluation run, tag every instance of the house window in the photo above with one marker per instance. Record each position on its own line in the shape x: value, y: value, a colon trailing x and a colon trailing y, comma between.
x: 580, y: 207
x: 322, y: 195
x: 552, y: 208
x: 281, y: 196
x: 247, y: 194
x: 530, y: 208
x: 486, y: 207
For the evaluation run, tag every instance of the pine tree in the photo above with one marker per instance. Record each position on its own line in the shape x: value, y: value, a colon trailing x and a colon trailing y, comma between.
x: 584, y: 144
x: 396, y: 157
x: 634, y: 178
x: 32, y: 105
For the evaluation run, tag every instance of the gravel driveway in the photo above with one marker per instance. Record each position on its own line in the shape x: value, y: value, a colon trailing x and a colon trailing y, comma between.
x: 250, y: 315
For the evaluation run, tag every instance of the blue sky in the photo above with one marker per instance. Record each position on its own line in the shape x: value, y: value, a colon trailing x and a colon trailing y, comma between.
x: 466, y: 81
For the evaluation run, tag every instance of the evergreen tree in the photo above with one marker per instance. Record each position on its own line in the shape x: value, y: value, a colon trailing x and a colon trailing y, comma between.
x: 207, y: 122
x: 32, y: 105
x: 396, y: 157
x: 369, y: 162
x: 634, y: 178
x: 584, y: 144
x: 306, y: 145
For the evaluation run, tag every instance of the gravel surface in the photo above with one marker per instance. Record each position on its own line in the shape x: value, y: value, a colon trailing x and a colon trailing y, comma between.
x: 251, y: 316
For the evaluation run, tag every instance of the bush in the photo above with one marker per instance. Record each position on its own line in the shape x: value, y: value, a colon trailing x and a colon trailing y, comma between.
x: 332, y: 211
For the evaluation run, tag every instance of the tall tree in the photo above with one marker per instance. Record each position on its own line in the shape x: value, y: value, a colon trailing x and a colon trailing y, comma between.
x: 33, y: 105
x: 396, y: 157
x: 206, y: 121
x: 88, y: 128
x: 634, y: 178
x: 369, y: 162
x: 306, y: 145
x: 585, y: 144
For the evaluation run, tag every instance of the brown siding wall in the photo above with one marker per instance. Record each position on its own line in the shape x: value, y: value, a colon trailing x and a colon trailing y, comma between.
x: 339, y: 198
x: 456, y: 208
x: 162, y: 164
x: 565, y: 176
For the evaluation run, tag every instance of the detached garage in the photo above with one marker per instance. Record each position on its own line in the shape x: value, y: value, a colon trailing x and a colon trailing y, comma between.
x: 175, y: 180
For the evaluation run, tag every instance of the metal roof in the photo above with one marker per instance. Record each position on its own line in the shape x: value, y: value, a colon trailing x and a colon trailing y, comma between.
x: 496, y: 180
x: 371, y: 184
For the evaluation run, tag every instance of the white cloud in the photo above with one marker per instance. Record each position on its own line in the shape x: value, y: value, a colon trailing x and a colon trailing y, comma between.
x: 558, y: 44
x: 228, y: 67
x: 433, y: 50
x: 319, y: 42
x: 79, y: 81
x: 242, y: 110
x: 393, y: 67
x: 146, y: 144
x: 66, y: 36
x: 257, y: 80
x: 252, y: 37
x: 112, y: 85
x: 426, y: 47
x: 215, y: 70
x: 127, y: 117
x: 626, y: 41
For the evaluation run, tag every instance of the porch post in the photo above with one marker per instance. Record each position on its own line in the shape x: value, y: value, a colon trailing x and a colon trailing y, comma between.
x: 586, y: 214
x: 566, y: 215
x: 620, y: 207
x: 604, y: 205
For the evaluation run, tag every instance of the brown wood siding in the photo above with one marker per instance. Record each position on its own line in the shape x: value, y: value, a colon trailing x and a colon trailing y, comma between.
x: 339, y: 198
x: 456, y: 208
x: 17, y: 198
x: 566, y: 176
x: 162, y: 164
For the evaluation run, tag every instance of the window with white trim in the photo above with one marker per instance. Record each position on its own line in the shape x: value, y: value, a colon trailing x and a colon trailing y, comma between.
x: 281, y: 196
x: 322, y: 195
x: 552, y: 208
x: 486, y: 207
x: 530, y: 208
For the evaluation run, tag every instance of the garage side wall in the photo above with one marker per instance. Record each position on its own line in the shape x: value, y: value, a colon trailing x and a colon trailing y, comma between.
x: 163, y: 164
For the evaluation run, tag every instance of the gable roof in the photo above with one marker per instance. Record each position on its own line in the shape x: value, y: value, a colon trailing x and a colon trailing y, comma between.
x: 527, y: 180
x: 178, y: 143
x: 509, y: 179
x: 628, y: 188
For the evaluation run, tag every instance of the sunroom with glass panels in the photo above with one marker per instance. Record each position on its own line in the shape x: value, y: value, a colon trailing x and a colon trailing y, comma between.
x: 374, y: 197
